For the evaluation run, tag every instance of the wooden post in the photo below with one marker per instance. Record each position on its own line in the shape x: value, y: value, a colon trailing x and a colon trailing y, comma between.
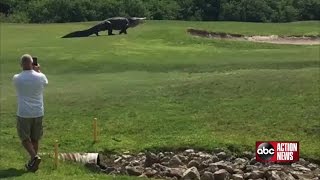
x: 95, y: 130
x: 56, y: 154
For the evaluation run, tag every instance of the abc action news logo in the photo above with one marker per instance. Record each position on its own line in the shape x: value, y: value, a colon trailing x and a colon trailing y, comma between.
x: 277, y: 151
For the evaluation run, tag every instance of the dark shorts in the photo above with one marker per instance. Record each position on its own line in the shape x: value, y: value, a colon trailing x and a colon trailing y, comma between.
x: 29, y: 128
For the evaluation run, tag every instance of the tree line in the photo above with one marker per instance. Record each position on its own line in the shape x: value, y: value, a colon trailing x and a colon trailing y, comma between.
x: 59, y: 11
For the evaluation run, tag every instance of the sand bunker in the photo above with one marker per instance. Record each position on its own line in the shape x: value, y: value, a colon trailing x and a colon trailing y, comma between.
x: 274, y: 39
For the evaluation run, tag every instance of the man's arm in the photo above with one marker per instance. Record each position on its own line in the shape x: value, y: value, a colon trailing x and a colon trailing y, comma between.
x: 14, y: 79
x: 44, y: 78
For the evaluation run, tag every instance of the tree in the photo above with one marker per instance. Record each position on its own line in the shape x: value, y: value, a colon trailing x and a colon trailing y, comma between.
x: 163, y: 9
x: 308, y: 9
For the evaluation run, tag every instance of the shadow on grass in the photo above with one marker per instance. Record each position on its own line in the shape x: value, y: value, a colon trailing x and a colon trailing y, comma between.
x: 11, y: 172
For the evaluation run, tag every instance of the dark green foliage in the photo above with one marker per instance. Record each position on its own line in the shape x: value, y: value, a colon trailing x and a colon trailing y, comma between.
x: 162, y: 9
x: 40, y: 11
x: 308, y: 9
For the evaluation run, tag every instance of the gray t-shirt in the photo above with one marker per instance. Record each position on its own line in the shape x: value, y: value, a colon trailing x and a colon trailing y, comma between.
x: 29, y: 87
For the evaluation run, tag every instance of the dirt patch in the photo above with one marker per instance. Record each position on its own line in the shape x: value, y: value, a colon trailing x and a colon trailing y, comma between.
x: 274, y: 39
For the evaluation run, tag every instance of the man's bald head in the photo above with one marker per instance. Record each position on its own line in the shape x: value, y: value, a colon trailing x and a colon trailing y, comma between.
x: 26, y: 62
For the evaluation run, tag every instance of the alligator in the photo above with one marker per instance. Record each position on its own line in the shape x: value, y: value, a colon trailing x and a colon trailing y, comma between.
x: 103, y: 26
x: 115, y: 23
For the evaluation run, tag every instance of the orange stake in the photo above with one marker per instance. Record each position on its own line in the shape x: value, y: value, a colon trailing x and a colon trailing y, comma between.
x: 56, y: 154
x: 95, y: 130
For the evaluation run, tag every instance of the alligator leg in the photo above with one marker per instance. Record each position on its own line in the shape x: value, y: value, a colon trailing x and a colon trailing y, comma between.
x: 124, y: 30
x: 110, y: 32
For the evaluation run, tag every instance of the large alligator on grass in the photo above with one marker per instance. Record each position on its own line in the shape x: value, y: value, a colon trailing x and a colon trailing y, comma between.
x: 115, y: 23
x: 122, y: 23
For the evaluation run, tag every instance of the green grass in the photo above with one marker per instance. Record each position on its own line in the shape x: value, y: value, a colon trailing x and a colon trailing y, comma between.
x: 158, y: 87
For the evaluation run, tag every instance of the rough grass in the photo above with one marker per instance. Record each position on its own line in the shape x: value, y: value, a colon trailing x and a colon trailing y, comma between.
x: 159, y: 88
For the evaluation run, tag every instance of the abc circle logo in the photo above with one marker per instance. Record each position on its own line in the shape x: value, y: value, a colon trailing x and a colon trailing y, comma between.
x: 265, y: 151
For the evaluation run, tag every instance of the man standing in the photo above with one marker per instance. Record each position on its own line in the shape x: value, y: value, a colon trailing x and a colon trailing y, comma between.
x: 29, y: 86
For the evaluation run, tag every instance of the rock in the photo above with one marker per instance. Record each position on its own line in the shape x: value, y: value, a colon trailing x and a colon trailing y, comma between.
x: 304, y: 169
x: 230, y: 158
x: 160, y: 155
x: 215, y: 158
x: 193, y: 163
x: 184, y: 159
x: 223, y: 165
x: 121, y: 170
x: 303, y: 162
x: 306, y: 175
x: 290, y: 177
x: 299, y: 167
x: 126, y: 156
x: 143, y: 176
x: 117, y: 160
x: 134, y: 171
x: 222, y: 155
x: 258, y: 164
x: 165, y: 159
x: 316, y: 172
x: 240, y: 161
x: 212, y: 168
x: 254, y: 175
x: 237, y: 177
x: 276, y: 167
x: 250, y: 168
x: 174, y: 172
x: 191, y: 174
x: 168, y: 153
x: 149, y: 172
x: 272, y: 175
x: 175, y: 161
x: 237, y: 171
x: 207, y: 176
x: 188, y: 151
x: 135, y: 163
x: 165, y: 164
x: 204, y: 156
x: 312, y: 166
x: 248, y: 154
x: 246, y: 175
x: 204, y: 164
x: 221, y: 174
x: 284, y: 176
x: 159, y: 167
x: 189, y: 165
x: 253, y: 161
x: 296, y: 174
x: 151, y: 158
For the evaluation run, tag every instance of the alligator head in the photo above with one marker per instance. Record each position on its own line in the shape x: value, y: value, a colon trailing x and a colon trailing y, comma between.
x: 135, y: 21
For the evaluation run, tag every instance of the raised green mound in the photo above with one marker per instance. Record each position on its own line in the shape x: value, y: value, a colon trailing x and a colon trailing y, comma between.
x: 158, y: 87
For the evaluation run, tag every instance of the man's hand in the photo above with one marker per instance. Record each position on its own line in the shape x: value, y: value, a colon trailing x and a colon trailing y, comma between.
x: 37, y: 68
